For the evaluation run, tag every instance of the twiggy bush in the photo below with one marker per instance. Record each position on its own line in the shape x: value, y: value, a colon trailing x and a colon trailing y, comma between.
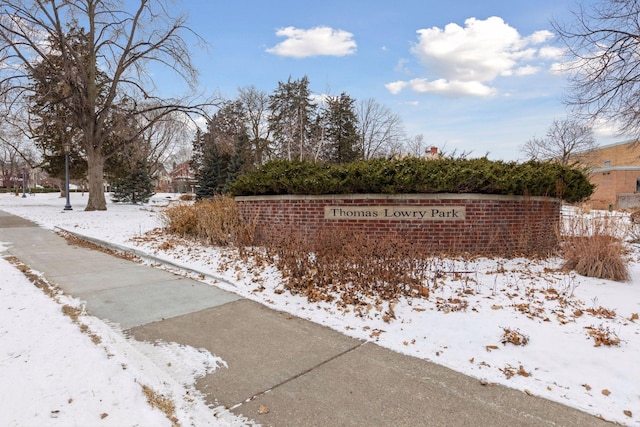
x: 218, y: 221
x: 593, y: 247
x: 357, y: 269
x: 214, y: 222
x: 180, y: 220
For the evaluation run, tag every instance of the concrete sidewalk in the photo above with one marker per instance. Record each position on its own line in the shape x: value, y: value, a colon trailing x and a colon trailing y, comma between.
x: 305, y: 374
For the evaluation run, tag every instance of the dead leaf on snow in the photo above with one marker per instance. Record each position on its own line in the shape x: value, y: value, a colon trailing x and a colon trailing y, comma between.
x: 492, y: 347
x: 606, y: 392
x: 587, y: 387
x: 375, y: 333
x: 628, y: 413
x: 523, y: 373
x: 514, y: 336
x: 633, y: 317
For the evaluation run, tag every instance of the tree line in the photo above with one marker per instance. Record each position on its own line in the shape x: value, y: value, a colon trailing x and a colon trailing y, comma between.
x: 292, y: 124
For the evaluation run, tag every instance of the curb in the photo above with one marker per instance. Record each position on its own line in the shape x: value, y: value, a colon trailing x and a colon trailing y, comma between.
x: 143, y: 255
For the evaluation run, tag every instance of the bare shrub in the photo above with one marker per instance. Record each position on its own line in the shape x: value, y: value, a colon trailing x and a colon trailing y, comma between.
x: 353, y: 267
x: 180, y: 219
x: 593, y: 247
x: 213, y: 221
x: 218, y: 221
x: 603, y: 257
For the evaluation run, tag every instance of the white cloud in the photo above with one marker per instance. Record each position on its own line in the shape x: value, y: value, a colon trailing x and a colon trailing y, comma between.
x: 451, y: 87
x: 603, y: 128
x: 465, y: 60
x: 396, y: 87
x: 540, y: 37
x: 401, y: 66
x: 551, y: 52
x: 318, y: 41
x: 527, y: 70
x: 559, y: 68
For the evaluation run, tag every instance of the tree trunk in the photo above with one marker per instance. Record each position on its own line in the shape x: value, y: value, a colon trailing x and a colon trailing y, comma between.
x: 97, y: 201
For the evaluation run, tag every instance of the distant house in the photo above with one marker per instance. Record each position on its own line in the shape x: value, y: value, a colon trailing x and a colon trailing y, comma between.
x: 183, y: 178
x: 162, y: 180
x: 615, y: 170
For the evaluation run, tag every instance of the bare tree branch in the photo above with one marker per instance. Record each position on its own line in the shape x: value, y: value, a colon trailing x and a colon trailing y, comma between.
x: 122, y: 45
x: 603, y: 44
x: 564, y: 139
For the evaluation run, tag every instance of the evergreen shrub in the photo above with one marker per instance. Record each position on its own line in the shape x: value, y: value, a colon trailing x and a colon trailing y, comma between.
x: 135, y: 186
x: 416, y: 175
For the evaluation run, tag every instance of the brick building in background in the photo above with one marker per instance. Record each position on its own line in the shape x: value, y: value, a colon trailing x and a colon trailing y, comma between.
x: 183, y: 178
x: 615, y: 170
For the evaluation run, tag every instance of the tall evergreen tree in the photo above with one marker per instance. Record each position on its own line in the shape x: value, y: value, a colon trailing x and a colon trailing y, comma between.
x: 341, y: 130
x: 51, y: 121
x: 291, y: 118
x: 212, y: 174
x: 222, y: 153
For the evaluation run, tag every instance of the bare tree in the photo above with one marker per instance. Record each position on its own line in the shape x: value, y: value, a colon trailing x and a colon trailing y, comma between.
x: 163, y: 138
x: 416, y: 146
x: 564, y: 139
x: 381, y: 131
x: 603, y: 42
x: 256, y: 104
x: 123, y: 39
x: 17, y: 156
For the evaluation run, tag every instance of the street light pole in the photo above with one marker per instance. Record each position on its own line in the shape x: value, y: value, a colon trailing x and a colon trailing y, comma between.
x: 67, y: 148
x: 23, y: 185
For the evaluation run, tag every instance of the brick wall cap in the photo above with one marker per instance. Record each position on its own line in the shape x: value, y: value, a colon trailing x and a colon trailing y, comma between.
x: 398, y: 197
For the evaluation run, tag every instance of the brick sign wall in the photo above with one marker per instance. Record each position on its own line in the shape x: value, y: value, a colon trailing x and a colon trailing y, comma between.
x: 434, y: 223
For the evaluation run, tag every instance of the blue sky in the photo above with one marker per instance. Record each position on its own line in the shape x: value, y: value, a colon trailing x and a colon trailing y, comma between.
x: 468, y: 75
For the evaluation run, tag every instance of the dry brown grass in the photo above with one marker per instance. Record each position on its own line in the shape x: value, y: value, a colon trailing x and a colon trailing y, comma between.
x: 73, y: 312
x: 593, y: 247
x: 214, y: 222
x: 162, y: 403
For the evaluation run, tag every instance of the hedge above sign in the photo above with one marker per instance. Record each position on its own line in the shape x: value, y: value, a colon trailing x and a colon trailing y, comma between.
x: 430, y: 213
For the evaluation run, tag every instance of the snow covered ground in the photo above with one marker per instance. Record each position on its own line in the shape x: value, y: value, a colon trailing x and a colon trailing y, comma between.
x: 477, y: 312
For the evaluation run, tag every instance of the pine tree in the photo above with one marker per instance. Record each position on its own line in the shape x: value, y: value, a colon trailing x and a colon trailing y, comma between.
x: 291, y: 118
x: 341, y: 130
x: 212, y: 176
x: 223, y: 152
x: 134, y: 187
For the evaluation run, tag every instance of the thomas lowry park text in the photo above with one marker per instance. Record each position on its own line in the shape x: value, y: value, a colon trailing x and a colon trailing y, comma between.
x: 433, y: 213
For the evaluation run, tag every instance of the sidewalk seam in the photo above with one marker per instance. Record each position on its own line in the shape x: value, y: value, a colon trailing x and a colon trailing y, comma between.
x: 288, y: 380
